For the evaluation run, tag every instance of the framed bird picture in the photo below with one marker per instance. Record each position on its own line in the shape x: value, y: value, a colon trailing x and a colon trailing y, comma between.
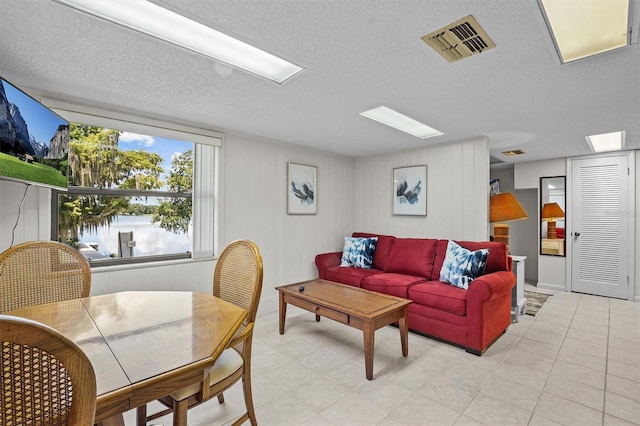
x: 410, y: 191
x: 302, y: 189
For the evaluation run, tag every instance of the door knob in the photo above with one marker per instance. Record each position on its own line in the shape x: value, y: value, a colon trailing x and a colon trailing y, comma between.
x: 576, y: 234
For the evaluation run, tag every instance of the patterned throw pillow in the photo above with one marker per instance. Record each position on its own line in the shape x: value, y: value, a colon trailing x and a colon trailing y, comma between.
x: 461, y: 266
x: 358, y: 252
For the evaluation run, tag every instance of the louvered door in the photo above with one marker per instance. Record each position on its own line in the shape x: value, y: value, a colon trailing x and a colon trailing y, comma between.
x: 600, y: 226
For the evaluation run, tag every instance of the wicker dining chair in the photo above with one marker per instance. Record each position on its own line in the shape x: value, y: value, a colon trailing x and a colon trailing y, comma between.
x: 41, y: 272
x: 46, y: 378
x: 237, y: 279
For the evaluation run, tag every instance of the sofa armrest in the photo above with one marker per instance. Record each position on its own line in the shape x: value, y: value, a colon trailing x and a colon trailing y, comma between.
x: 488, y: 308
x: 491, y: 285
x: 325, y: 261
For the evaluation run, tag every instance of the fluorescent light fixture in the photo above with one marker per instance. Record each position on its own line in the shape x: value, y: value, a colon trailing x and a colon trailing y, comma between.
x: 606, y: 142
x: 581, y: 28
x: 394, y: 119
x: 155, y: 21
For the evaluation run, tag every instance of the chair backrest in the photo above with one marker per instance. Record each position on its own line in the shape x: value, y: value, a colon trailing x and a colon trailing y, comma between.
x: 46, y: 378
x: 42, y: 272
x: 238, y: 278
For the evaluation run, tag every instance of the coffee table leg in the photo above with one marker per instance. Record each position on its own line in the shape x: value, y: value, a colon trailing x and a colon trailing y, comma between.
x: 282, y: 312
x: 403, y: 325
x: 369, y: 344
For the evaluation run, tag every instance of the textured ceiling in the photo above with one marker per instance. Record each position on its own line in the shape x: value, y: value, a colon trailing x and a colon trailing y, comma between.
x: 358, y: 54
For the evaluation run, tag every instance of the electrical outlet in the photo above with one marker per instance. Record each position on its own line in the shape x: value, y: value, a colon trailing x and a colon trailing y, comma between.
x: 131, y: 244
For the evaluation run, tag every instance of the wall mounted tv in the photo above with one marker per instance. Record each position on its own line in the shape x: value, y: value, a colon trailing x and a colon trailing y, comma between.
x: 34, y: 141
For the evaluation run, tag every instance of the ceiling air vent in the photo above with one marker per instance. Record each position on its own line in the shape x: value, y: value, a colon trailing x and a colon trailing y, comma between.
x: 514, y: 152
x: 459, y: 40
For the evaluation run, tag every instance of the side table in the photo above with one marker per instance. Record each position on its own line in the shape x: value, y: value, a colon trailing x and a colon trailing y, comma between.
x: 517, y: 294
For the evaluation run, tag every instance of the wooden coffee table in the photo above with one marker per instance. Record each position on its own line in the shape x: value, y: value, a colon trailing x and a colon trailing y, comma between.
x: 362, y: 309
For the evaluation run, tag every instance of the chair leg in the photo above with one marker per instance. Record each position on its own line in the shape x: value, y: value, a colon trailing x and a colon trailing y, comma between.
x: 180, y: 412
x: 221, y: 398
x: 248, y: 398
x: 141, y: 415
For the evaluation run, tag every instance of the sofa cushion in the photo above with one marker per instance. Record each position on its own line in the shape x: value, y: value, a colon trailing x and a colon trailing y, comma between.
x: 383, y: 248
x: 412, y: 256
x: 461, y: 266
x: 440, y: 296
x: 349, y: 275
x: 389, y: 283
x: 498, y: 259
x: 358, y: 252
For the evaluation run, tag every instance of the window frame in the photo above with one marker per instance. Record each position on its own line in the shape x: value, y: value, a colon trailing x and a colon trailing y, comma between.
x: 206, y: 171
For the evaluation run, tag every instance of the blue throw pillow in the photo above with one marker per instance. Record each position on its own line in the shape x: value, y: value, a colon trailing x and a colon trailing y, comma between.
x: 461, y: 266
x: 358, y: 252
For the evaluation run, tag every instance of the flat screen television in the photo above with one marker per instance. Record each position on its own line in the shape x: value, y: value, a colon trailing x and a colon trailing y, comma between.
x: 34, y: 141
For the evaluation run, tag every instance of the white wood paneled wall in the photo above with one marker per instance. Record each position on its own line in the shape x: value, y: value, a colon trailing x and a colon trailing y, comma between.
x: 255, y: 207
x: 457, y: 192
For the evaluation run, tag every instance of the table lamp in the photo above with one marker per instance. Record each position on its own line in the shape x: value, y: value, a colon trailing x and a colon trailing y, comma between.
x: 503, y: 207
x: 550, y: 213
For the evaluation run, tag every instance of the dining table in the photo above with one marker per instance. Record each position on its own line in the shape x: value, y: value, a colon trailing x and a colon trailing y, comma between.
x: 142, y: 345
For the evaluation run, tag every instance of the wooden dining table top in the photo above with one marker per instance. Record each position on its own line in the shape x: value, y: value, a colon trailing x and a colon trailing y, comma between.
x: 143, y: 344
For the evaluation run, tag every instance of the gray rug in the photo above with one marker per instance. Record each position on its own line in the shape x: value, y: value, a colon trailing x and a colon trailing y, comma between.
x: 534, y: 302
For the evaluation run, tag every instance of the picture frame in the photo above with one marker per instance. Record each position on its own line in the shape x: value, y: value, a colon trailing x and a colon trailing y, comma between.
x: 410, y: 190
x: 494, y: 186
x: 302, y: 189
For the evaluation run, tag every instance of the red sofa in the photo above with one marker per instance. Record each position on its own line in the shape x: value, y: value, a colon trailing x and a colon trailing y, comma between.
x: 410, y: 268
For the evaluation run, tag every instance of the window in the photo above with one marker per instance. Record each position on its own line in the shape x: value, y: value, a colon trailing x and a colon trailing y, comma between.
x: 136, y: 197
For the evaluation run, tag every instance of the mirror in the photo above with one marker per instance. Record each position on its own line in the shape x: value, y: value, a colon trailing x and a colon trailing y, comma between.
x: 552, y: 215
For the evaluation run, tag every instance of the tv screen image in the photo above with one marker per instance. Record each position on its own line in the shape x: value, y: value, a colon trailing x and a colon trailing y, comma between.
x: 34, y: 141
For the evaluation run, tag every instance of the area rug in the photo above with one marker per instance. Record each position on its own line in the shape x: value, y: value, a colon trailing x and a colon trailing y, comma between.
x: 535, y: 302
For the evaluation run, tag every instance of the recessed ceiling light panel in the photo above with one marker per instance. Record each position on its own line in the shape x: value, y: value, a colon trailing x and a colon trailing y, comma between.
x: 606, y: 142
x: 153, y: 20
x: 587, y: 27
x: 394, y: 119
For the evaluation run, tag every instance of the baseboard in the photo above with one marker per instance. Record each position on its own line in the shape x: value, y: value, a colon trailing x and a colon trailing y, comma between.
x: 554, y: 287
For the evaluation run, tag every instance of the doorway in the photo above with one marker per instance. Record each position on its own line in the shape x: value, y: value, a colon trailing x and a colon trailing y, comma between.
x: 600, y: 238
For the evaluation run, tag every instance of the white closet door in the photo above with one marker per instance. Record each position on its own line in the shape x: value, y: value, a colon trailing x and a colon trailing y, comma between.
x: 600, y: 226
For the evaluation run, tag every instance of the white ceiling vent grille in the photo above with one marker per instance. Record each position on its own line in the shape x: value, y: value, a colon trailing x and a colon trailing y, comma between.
x: 459, y: 40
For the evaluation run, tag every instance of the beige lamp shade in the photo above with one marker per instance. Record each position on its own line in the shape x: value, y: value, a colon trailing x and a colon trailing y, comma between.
x: 503, y: 207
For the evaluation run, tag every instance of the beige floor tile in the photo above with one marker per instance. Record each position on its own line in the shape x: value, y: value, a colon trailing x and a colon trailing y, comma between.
x: 563, y: 387
x: 566, y: 412
x: 621, y: 369
x: 530, y: 360
x: 590, y: 347
x: 493, y: 411
x: 623, y: 408
x: 578, y: 356
x: 512, y: 392
x: 632, y: 332
x: 538, y: 347
x: 610, y: 420
x: 537, y: 420
x: 448, y: 393
x: 623, y: 387
x: 419, y: 410
x: 580, y: 374
x: 549, y: 339
x: 622, y: 355
x: 467, y: 421
x: 522, y: 374
x: 624, y: 344
x: 587, y: 336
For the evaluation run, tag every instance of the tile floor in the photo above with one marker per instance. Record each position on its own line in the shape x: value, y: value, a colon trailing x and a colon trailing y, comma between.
x: 576, y: 363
